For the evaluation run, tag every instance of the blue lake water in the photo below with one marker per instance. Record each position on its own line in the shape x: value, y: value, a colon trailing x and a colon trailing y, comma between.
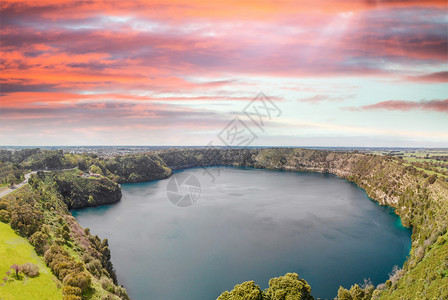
x: 249, y: 224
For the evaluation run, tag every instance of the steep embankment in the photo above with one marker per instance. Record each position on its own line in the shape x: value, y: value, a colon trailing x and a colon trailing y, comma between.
x: 78, y: 191
x: 80, y: 261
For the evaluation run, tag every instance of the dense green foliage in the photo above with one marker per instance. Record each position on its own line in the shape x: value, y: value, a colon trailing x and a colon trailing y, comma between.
x: 79, y: 260
x: 288, y: 287
x: 245, y: 291
x: 78, y: 191
x: 137, y: 168
x: 37, y: 159
x: 357, y: 292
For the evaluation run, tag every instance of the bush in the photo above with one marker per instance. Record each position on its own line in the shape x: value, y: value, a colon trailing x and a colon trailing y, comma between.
x: 29, y: 269
x: 5, y: 216
x: 95, y: 267
x: 3, y: 205
x: 71, y: 290
x: 356, y: 292
x: 247, y: 290
x: 61, y: 263
x: 432, y: 178
x: 107, y: 284
x: 26, y: 219
x: 81, y: 280
x: 121, y: 292
x: 40, y: 242
x: 289, y: 286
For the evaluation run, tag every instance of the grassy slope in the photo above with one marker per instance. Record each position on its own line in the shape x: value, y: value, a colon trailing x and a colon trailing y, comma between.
x: 428, y: 280
x: 17, y: 250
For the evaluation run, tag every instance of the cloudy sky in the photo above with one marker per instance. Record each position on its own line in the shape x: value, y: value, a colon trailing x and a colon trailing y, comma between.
x: 339, y: 73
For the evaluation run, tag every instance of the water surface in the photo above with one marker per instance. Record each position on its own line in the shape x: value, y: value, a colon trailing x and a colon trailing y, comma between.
x: 249, y: 225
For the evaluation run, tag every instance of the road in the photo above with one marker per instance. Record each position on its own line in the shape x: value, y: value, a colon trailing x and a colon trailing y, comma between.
x: 27, y: 176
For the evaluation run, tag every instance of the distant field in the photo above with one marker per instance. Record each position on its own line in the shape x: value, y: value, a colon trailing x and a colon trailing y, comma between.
x: 16, y: 250
x: 427, y: 157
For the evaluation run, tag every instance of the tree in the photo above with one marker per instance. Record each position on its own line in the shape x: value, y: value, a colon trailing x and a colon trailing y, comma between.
x: 16, y: 269
x: 11, y: 179
x: 288, y: 287
x: 80, y: 280
x: 40, y: 242
x: 66, y: 232
x: 5, y: 216
x: 26, y: 219
x: 356, y: 292
x: 248, y: 290
x: 344, y: 294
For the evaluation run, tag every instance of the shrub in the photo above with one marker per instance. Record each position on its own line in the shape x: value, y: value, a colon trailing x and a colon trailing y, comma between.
x: 107, y: 284
x: 247, y: 290
x: 289, y: 286
x: 26, y: 219
x: 60, y: 241
x: 61, y: 263
x: 3, y: 205
x: 40, y: 242
x: 29, y: 269
x: 396, y: 274
x: 432, y: 178
x: 71, y: 290
x: 95, y: 267
x: 356, y: 292
x: 121, y: 292
x: 81, y: 280
x: 5, y: 216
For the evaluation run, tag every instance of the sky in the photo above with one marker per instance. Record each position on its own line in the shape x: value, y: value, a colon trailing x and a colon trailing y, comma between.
x: 366, y: 73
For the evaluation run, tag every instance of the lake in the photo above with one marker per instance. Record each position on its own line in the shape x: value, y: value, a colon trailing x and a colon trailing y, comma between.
x: 249, y: 224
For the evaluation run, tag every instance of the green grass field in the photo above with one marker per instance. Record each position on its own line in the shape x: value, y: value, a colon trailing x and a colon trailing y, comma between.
x: 17, y: 250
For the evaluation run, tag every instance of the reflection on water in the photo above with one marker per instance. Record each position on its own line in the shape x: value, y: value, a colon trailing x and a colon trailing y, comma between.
x: 248, y: 225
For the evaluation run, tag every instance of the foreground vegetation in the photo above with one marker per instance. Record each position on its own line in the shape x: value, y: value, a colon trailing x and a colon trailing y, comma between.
x: 285, y: 287
x: 81, y: 262
x: 16, y: 250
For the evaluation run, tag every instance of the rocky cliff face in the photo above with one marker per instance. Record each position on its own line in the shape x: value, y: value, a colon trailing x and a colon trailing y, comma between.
x: 79, y: 192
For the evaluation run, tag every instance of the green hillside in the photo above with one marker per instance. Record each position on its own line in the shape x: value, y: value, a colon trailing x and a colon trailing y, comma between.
x: 17, y: 250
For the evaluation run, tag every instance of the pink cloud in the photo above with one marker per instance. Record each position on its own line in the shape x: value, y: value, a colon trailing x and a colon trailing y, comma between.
x: 403, y: 105
x: 435, y: 77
